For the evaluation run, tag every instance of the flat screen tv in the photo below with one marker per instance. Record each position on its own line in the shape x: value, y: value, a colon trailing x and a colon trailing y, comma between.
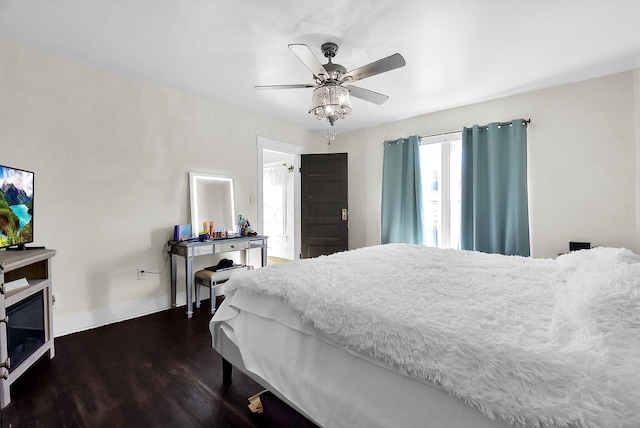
x: 16, y: 207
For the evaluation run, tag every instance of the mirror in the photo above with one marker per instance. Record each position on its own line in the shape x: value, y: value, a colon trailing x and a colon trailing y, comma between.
x: 212, y: 199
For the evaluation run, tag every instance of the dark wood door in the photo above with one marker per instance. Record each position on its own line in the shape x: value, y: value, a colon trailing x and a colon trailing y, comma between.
x: 324, y: 210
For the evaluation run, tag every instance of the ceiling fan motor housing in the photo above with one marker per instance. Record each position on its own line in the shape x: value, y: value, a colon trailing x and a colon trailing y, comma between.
x: 335, y: 71
x: 329, y: 50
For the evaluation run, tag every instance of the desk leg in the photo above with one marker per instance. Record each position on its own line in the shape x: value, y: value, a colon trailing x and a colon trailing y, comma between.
x: 174, y: 275
x: 189, y: 280
x: 264, y: 254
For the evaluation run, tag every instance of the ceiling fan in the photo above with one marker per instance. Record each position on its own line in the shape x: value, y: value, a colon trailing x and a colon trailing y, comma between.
x: 332, y: 94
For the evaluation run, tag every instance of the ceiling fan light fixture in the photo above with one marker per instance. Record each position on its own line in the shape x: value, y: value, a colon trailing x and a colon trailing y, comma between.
x: 330, y: 101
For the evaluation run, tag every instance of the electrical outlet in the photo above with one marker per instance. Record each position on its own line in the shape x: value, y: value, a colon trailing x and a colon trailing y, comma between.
x: 56, y: 299
x: 141, y: 274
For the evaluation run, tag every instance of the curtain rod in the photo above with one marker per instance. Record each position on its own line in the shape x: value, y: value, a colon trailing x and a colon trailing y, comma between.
x: 442, y: 133
x: 525, y: 121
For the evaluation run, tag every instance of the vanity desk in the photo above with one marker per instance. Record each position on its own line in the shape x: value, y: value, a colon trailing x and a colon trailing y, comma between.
x: 192, y: 249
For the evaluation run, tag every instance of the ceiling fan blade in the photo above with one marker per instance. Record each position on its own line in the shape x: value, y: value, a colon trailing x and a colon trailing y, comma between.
x: 385, y: 64
x: 297, y: 86
x: 367, y: 95
x: 309, y: 60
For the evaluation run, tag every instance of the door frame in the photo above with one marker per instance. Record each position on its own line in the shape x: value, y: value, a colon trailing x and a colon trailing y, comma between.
x: 264, y: 143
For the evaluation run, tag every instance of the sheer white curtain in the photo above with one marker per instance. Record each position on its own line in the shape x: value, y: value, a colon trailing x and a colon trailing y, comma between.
x: 274, y: 195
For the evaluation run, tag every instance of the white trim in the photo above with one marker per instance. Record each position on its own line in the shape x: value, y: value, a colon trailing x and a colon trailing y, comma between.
x: 98, y: 317
x: 278, y: 146
x: 445, y: 141
x: 441, y: 138
x: 445, y: 207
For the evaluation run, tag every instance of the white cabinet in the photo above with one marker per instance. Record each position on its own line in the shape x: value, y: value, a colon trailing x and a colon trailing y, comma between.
x: 26, y: 319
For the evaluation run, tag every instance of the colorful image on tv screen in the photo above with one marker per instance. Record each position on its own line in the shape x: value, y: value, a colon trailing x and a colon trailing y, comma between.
x: 16, y: 206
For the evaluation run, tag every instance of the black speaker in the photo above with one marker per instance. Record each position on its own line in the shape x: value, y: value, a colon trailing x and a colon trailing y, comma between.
x: 575, y: 246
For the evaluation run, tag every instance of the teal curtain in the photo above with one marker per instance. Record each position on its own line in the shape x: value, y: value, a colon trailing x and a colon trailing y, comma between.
x: 402, y: 219
x: 495, y: 213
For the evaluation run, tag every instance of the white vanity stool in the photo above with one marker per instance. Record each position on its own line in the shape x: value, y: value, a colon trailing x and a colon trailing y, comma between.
x: 213, y: 280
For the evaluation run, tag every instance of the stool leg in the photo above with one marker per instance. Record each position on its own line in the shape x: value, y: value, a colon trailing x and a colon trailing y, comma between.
x: 197, y: 284
x: 212, y: 290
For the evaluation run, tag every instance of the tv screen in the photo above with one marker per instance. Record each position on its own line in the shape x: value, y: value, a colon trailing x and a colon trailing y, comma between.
x: 16, y: 207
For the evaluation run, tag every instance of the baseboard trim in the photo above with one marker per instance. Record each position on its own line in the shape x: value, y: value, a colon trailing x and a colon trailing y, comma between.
x: 80, y: 321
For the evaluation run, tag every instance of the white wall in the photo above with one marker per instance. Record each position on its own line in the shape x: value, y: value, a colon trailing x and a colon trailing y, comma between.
x: 582, y: 161
x: 111, y: 156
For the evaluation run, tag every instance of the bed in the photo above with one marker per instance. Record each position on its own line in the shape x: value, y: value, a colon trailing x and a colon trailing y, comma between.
x: 406, y: 336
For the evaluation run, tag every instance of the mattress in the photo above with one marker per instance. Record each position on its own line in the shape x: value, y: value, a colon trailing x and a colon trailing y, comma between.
x: 328, y: 384
x: 399, y: 335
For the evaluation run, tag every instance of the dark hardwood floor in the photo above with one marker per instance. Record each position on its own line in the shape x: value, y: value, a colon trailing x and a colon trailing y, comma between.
x: 154, y: 371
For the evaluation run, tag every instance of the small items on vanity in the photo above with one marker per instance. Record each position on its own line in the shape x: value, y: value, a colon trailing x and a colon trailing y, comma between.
x: 211, y: 232
x: 250, y: 231
x: 220, y: 233
x: 242, y: 225
x: 182, y: 232
x: 244, y: 228
x: 206, y: 231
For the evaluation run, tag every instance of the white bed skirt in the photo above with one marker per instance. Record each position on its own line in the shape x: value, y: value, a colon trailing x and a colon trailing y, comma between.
x: 326, y: 383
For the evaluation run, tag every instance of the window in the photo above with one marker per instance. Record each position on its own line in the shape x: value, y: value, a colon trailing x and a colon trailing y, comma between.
x: 440, y: 164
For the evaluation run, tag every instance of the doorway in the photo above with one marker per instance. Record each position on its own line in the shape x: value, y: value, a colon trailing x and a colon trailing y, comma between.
x: 278, y: 219
x: 279, y: 198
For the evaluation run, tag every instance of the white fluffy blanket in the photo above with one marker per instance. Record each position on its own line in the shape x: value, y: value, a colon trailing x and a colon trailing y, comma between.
x: 536, y: 342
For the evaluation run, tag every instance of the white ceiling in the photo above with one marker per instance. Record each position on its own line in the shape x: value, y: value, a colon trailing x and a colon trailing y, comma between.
x: 458, y: 52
